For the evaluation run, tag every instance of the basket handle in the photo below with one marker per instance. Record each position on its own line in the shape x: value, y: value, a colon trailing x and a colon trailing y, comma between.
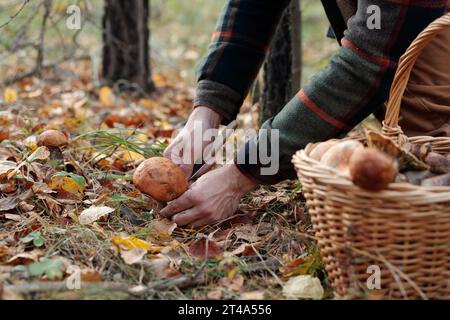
x: 407, y: 61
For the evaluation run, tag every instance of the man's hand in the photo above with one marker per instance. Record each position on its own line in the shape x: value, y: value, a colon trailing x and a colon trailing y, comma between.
x: 184, y: 147
x: 212, y: 198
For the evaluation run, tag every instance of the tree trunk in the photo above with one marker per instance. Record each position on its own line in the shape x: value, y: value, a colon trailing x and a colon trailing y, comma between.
x: 282, y: 68
x: 126, y: 50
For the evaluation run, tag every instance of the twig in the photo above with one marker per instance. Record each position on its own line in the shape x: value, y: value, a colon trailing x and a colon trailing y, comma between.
x: 40, y: 286
x: 270, y: 264
x: 180, y: 282
x: 11, y: 18
x: 44, y: 66
x: 40, y: 56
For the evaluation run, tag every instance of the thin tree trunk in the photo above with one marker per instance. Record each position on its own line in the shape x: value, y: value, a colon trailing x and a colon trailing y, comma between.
x: 282, y: 68
x: 126, y: 50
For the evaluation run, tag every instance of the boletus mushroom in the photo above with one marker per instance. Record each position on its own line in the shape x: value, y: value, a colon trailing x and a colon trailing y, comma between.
x: 321, y: 148
x: 160, y: 179
x: 438, y: 163
x: 338, y: 156
x: 372, y: 169
x: 53, y: 140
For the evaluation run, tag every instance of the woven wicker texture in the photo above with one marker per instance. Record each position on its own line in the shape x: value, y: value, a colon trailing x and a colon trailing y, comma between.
x: 404, y: 230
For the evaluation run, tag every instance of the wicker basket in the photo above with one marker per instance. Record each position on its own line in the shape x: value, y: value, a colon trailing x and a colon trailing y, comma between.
x: 404, y: 230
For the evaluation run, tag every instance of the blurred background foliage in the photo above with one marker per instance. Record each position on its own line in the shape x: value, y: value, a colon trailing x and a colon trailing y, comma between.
x: 180, y: 33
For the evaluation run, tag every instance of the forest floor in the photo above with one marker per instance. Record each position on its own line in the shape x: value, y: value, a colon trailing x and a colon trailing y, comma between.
x: 125, y: 250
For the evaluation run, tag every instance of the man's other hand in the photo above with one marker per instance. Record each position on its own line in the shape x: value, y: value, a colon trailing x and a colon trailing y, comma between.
x: 184, y: 149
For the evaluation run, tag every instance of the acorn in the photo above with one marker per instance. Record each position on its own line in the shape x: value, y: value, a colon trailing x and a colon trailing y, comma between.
x: 160, y: 179
x: 372, y: 169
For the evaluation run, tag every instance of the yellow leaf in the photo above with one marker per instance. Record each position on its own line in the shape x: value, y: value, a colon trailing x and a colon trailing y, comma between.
x: 131, y: 243
x: 159, y: 80
x: 148, y: 103
x: 142, y: 137
x: 163, y: 124
x: 131, y: 156
x: 10, y: 95
x: 106, y: 97
x: 65, y: 183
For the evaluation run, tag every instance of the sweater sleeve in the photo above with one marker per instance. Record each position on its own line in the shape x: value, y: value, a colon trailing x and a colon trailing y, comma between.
x: 354, y: 84
x: 238, y: 48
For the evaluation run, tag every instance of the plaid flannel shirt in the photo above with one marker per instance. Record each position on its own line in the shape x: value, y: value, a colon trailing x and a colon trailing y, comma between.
x: 355, y: 83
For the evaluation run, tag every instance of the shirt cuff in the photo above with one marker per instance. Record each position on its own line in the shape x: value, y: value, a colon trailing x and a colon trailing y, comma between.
x: 255, y: 170
x: 219, y: 98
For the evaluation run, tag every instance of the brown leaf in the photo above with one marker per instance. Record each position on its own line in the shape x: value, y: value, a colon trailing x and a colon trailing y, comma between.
x: 234, y: 284
x: 163, y: 227
x: 162, y: 267
x: 215, y: 294
x: 25, y: 257
x: 246, y: 250
x: 6, y: 167
x: 198, y: 249
x: 252, y: 295
x: 9, y: 203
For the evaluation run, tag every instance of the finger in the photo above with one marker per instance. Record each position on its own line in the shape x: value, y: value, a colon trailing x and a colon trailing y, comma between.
x: 203, y: 170
x: 173, y: 151
x: 184, y: 202
x: 201, y: 223
x: 187, y: 217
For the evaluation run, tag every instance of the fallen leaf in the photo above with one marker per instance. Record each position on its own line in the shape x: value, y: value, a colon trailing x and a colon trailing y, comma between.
x: 25, y: 257
x: 6, y: 167
x: 234, y: 284
x: 198, y: 249
x: 163, y: 227
x: 13, y: 217
x: 133, y: 250
x: 133, y: 256
x: 248, y: 233
x: 252, y: 295
x: 9, y: 203
x: 106, y: 97
x: 215, y: 294
x: 93, y: 214
x: 303, y: 287
x: 67, y: 184
x: 89, y: 275
x: 10, y: 95
x: 41, y: 153
x: 130, y: 156
x: 159, y: 266
x: 129, y: 243
x: 246, y: 249
x: 148, y: 103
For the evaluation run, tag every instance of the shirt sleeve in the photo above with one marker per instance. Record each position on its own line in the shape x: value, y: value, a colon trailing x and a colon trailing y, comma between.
x: 238, y: 48
x: 355, y: 83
